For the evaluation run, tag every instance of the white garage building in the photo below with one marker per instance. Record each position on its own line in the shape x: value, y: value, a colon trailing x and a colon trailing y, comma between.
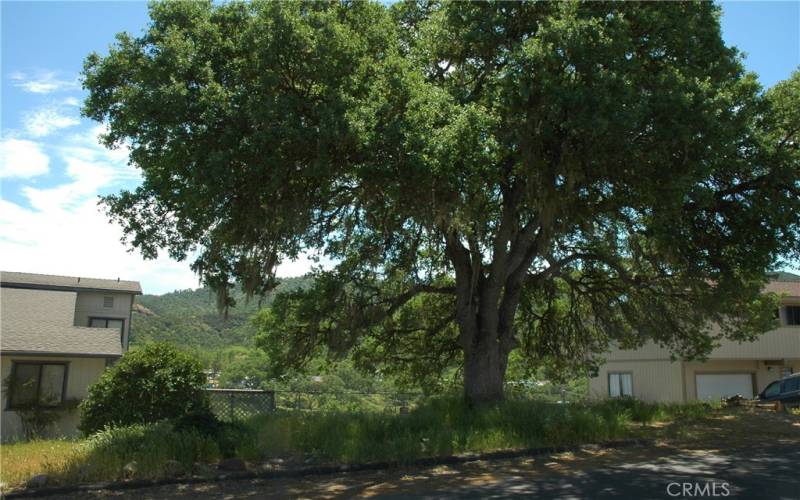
x: 733, y: 368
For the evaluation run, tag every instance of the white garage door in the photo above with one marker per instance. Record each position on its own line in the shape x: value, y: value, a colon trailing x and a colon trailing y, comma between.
x: 718, y: 385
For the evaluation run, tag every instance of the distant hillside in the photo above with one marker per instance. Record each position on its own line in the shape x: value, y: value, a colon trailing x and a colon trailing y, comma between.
x: 190, y: 318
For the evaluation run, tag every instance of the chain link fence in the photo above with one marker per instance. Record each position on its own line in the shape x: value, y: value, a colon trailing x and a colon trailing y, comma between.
x: 546, y: 391
x: 394, y: 402
x: 238, y: 404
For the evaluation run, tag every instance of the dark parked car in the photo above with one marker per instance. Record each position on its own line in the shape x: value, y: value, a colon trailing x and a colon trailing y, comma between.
x: 785, y: 390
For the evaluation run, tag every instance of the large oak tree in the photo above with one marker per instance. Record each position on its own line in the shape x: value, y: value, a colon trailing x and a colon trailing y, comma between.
x: 546, y: 177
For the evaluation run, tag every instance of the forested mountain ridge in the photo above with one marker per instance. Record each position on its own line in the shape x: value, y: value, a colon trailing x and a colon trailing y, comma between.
x: 190, y: 318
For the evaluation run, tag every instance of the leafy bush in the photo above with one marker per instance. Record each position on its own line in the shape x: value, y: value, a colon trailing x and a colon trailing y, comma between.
x: 227, y: 435
x: 150, y: 384
x: 202, y: 422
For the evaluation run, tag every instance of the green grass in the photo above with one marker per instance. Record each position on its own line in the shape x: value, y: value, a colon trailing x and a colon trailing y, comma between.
x: 442, y: 426
x: 439, y: 427
x: 103, y: 456
x: 20, y: 461
x: 648, y: 413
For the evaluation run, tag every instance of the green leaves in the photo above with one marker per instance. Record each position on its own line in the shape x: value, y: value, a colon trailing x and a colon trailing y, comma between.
x: 153, y: 383
x: 235, y: 114
x: 610, y: 168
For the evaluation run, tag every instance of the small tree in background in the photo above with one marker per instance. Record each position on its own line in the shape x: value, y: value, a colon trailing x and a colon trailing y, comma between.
x: 150, y: 384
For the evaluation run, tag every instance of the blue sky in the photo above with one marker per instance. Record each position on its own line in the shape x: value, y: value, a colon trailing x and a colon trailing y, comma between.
x: 52, y: 169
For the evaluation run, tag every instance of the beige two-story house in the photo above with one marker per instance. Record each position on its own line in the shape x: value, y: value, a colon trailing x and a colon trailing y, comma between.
x: 57, y: 335
x: 733, y: 368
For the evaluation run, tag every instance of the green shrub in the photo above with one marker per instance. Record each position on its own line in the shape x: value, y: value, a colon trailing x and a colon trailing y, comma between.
x: 202, y: 422
x: 150, y: 384
x: 229, y: 436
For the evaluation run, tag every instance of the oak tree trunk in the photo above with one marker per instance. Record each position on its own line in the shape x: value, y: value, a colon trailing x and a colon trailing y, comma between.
x: 485, y: 365
x: 486, y: 304
x: 486, y: 327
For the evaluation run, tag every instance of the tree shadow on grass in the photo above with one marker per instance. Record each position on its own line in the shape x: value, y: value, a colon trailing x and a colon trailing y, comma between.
x: 634, y: 473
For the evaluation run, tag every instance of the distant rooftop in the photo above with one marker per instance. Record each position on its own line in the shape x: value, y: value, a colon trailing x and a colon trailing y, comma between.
x: 784, y: 277
x: 784, y: 283
x: 71, y: 283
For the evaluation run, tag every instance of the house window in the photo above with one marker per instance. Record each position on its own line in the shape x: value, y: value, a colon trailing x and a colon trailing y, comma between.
x: 108, y: 301
x: 37, y: 384
x: 117, y: 323
x: 620, y: 384
x: 793, y: 315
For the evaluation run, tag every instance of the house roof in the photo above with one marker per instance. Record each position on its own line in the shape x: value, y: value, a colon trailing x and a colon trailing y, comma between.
x: 62, y: 341
x: 69, y: 283
x: 784, y: 283
x: 785, y: 277
x: 24, y: 329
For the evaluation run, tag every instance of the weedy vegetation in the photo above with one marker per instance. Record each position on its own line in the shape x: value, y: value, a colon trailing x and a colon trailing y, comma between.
x: 440, y: 426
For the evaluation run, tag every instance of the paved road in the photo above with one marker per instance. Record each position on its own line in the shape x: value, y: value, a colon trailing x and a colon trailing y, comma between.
x: 637, y: 473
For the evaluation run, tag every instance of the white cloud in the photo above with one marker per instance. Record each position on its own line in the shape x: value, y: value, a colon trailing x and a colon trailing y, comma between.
x: 86, y: 146
x: 44, y: 83
x: 45, y: 120
x: 79, y: 241
x: 90, y: 168
x: 91, y: 139
x: 61, y: 230
x: 87, y: 177
x: 22, y: 158
x: 303, y: 264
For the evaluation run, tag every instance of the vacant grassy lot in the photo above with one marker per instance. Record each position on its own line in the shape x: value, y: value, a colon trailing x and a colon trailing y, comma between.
x: 755, y: 452
x: 103, y: 456
x: 20, y: 461
x: 439, y: 427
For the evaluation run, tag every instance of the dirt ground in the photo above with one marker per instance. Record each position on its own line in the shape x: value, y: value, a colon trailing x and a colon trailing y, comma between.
x: 753, y: 453
x: 735, y: 427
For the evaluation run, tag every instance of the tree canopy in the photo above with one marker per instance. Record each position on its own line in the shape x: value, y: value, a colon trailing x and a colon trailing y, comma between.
x: 546, y: 177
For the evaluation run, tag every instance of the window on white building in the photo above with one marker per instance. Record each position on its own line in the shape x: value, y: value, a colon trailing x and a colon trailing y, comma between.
x: 37, y: 384
x: 620, y: 384
x: 793, y: 315
x: 116, y: 323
